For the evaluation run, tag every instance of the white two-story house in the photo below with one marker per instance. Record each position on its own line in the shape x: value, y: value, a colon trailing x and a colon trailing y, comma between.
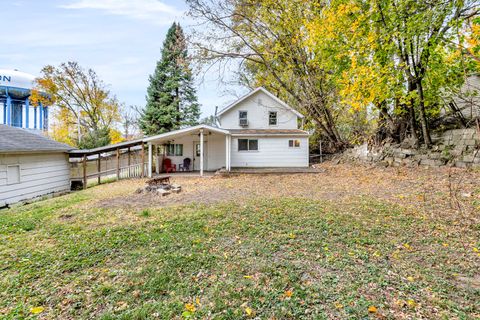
x: 257, y: 131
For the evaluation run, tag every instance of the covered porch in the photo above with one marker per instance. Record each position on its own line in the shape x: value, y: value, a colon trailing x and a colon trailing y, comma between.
x: 200, y: 149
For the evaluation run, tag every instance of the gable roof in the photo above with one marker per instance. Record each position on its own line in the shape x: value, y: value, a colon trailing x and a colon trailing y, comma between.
x: 268, y: 93
x: 184, y: 131
x: 19, y: 140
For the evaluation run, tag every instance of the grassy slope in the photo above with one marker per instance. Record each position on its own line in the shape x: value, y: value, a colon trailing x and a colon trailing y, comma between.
x: 281, y: 258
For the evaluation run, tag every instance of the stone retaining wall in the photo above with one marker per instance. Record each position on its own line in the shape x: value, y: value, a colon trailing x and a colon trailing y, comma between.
x: 458, y: 148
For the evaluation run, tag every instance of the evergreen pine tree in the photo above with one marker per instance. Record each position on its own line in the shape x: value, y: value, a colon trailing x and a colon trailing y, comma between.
x: 171, y: 96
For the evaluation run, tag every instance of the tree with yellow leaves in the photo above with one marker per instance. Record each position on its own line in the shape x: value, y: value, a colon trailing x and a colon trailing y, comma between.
x: 85, y: 112
x: 349, y: 65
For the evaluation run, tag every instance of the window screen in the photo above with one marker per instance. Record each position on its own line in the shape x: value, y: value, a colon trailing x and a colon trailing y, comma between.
x: 175, y: 150
x: 242, y: 144
x: 252, y: 144
x: 272, y: 118
x: 242, y: 114
x: 247, y: 144
x: 294, y: 143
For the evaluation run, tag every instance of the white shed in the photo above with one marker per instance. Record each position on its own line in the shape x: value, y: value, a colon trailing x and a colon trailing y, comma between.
x: 31, y: 166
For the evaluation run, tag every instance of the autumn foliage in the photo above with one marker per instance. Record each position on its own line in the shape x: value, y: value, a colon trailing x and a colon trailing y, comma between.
x: 85, y: 113
x: 358, y: 69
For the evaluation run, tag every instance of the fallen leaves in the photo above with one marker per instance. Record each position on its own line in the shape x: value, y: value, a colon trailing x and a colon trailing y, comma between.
x: 372, y: 309
x: 248, y: 311
x: 190, y: 307
x: 37, y: 310
x: 411, y: 303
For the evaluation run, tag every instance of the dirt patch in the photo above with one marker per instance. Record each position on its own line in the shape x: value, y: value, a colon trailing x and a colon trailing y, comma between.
x: 427, y: 189
x: 66, y: 217
x: 472, y: 283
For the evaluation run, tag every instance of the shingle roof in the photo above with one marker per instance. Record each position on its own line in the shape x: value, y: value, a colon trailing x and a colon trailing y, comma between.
x: 20, y: 140
x: 268, y: 132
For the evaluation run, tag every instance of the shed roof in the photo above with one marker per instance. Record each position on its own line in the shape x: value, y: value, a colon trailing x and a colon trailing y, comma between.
x: 108, y: 148
x: 16, y: 140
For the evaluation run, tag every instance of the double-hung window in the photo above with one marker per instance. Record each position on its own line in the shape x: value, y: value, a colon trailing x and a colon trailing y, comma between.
x: 294, y: 143
x: 272, y: 118
x: 174, y: 150
x: 247, y: 145
x: 242, y: 118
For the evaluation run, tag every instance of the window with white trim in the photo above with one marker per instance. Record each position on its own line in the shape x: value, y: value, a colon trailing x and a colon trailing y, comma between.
x: 247, y: 145
x: 272, y: 118
x: 242, y: 118
x: 13, y: 174
x: 294, y: 143
x: 174, y: 150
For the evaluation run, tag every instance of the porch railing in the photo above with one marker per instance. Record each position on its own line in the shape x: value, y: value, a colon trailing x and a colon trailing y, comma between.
x: 126, y: 172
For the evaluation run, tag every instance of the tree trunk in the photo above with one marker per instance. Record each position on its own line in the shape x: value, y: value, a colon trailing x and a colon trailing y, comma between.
x: 411, y: 114
x: 177, y: 96
x: 423, y: 119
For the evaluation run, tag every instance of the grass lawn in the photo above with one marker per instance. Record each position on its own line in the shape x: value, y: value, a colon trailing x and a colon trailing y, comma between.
x: 335, y: 245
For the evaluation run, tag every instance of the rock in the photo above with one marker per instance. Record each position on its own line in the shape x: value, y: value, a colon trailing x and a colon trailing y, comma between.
x: 461, y: 164
x: 139, y: 190
x: 468, y: 158
x: 470, y: 142
x: 163, y: 192
x: 176, y: 190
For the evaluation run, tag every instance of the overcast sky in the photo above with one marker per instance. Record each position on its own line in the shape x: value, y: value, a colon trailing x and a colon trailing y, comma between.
x: 119, y: 39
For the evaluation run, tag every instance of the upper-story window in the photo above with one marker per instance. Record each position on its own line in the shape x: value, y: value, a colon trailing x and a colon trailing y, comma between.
x: 242, y: 118
x: 272, y: 118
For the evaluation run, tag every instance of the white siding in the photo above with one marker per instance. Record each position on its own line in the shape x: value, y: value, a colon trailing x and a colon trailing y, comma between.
x: 258, y: 107
x: 40, y: 174
x: 272, y: 152
x: 215, y: 150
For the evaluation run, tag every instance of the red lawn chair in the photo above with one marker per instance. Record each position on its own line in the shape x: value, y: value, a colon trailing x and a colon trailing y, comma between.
x: 168, y: 166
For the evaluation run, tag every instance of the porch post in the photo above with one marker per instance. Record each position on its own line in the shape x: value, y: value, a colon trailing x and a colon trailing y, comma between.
x: 143, y: 160
x: 118, y: 164
x: 157, y: 164
x: 227, y: 153
x: 150, y: 162
x: 201, y: 152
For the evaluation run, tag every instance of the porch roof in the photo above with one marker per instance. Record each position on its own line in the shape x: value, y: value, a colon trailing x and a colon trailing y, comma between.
x: 182, y: 132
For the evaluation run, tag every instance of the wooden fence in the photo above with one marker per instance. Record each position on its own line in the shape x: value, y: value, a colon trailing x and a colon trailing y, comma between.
x: 108, y: 166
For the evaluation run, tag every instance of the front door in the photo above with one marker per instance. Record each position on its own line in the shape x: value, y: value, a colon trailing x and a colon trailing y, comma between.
x: 196, y: 156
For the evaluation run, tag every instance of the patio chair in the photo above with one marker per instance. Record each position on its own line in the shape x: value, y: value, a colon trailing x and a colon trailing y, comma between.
x: 186, y: 165
x: 168, y: 166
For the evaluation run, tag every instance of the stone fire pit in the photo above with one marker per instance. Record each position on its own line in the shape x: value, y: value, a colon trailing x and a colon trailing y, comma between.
x: 160, y: 186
